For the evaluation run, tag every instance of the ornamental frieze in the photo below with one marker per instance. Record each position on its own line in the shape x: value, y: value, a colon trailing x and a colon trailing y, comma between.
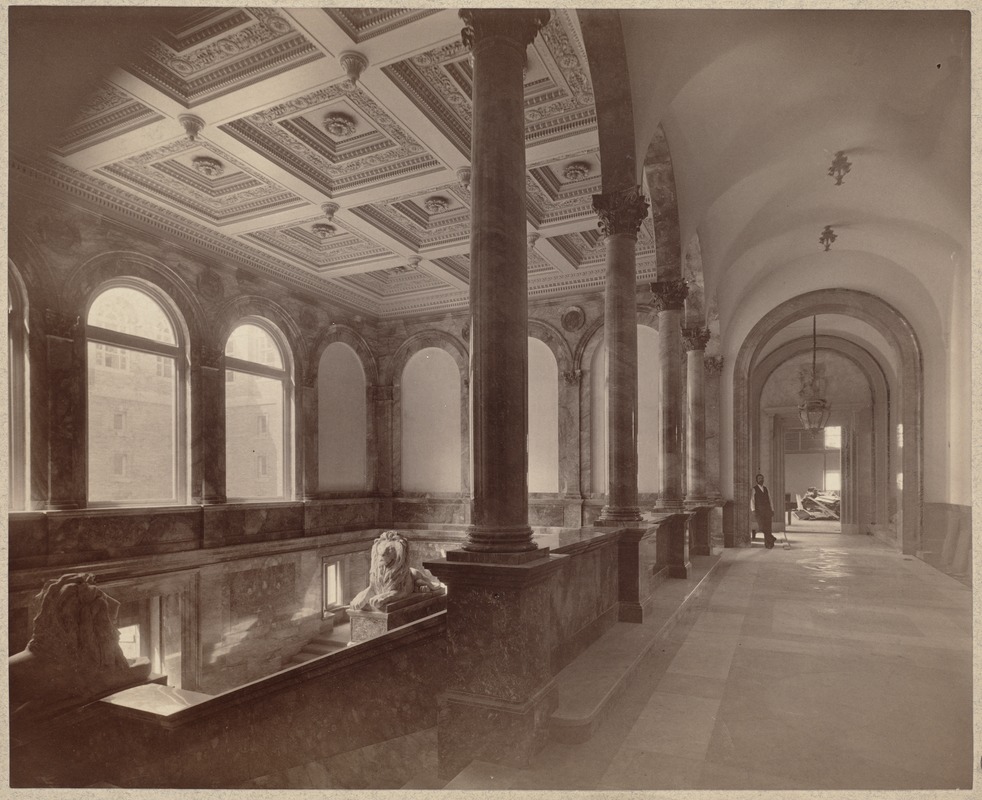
x: 621, y: 211
x: 669, y: 295
x: 695, y: 338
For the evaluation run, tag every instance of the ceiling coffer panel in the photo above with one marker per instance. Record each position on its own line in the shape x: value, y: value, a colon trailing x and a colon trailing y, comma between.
x: 365, y: 23
x: 219, y: 51
x: 336, y: 139
x: 318, y: 245
x: 558, y: 92
x: 108, y: 112
x: 202, y: 180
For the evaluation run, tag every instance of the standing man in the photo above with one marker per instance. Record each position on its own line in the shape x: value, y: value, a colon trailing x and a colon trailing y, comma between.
x: 760, y: 502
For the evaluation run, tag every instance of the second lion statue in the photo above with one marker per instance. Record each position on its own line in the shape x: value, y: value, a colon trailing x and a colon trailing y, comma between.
x: 390, y: 576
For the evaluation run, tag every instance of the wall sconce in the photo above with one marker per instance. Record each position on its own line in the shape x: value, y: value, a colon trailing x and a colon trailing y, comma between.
x: 840, y: 166
x: 828, y: 236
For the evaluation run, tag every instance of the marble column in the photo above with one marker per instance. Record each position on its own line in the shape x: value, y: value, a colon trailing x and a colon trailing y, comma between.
x: 66, y: 381
x: 621, y: 214
x: 499, y: 283
x: 669, y: 297
x: 695, y: 430
x: 713, y: 369
x: 211, y: 410
x: 500, y: 691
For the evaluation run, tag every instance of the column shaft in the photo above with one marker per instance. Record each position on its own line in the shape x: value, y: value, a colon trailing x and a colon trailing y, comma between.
x: 669, y: 297
x: 695, y: 429
x: 499, y: 284
x: 621, y: 214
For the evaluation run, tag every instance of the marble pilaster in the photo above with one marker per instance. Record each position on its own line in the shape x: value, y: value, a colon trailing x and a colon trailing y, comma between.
x: 695, y: 430
x: 380, y: 403
x: 621, y: 214
x: 713, y: 368
x: 66, y: 380
x: 309, y: 438
x: 669, y: 297
x: 211, y: 410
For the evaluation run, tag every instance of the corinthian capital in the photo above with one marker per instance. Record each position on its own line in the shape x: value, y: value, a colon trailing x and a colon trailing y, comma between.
x: 518, y: 25
x: 622, y: 211
x: 695, y: 338
x: 669, y: 295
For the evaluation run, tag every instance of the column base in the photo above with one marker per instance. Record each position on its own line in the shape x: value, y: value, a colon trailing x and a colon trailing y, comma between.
x: 509, y: 545
x: 614, y: 517
x: 474, y: 727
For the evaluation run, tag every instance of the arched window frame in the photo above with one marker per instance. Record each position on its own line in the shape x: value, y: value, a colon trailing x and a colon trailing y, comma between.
x: 19, y: 407
x: 285, y: 376
x: 178, y: 351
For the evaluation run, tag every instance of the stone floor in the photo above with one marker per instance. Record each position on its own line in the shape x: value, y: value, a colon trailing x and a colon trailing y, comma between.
x: 837, y: 664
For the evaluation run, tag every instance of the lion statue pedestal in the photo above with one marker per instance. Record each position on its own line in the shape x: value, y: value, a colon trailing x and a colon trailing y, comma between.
x: 397, y: 594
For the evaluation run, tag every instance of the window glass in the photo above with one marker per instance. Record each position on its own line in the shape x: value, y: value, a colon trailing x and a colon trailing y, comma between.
x: 131, y: 311
x: 132, y: 425
x: 252, y: 343
x: 254, y: 452
x: 135, y: 415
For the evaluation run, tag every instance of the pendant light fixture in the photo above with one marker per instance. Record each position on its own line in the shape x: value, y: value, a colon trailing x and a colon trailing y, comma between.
x: 813, y: 410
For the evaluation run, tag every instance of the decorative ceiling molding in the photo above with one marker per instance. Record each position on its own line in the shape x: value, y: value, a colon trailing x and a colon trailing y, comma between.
x: 365, y: 23
x: 419, y: 224
x: 193, y: 65
x: 232, y: 192
x: 558, y: 93
x: 384, y: 153
x: 101, y: 194
x: 108, y: 112
x: 298, y: 240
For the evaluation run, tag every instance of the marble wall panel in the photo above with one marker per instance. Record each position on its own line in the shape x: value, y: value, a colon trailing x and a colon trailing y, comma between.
x: 584, y: 603
x: 248, y: 522
x: 328, y: 516
x: 429, y: 511
x: 116, y: 533
x: 253, y: 615
x: 547, y: 512
x: 27, y: 539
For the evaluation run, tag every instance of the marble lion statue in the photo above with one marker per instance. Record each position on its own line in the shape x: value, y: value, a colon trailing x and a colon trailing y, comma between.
x: 74, y: 650
x: 390, y: 576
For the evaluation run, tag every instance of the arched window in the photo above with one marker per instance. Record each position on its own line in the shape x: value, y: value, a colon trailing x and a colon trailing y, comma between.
x: 137, y: 397
x: 258, y: 418
x: 18, y: 404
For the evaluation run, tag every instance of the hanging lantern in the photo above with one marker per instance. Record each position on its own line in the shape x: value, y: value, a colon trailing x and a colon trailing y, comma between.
x: 813, y: 410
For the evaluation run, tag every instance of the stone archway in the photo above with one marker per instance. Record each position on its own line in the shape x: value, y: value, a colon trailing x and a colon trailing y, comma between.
x: 898, y: 332
x: 865, y: 495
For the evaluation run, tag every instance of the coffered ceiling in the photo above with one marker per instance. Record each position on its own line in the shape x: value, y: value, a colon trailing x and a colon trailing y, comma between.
x: 284, y: 131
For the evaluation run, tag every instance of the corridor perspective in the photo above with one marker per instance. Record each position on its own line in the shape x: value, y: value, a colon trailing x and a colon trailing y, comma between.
x: 838, y: 664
